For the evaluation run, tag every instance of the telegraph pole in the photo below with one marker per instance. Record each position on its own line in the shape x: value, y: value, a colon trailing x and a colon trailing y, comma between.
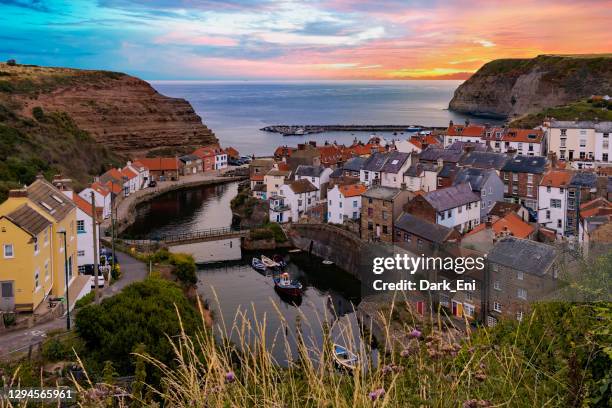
x: 66, y: 279
x: 94, y: 217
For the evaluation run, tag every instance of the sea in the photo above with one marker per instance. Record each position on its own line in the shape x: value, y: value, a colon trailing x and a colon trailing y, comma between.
x: 236, y: 110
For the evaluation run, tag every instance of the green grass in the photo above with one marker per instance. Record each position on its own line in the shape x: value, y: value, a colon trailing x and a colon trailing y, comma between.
x: 581, y: 110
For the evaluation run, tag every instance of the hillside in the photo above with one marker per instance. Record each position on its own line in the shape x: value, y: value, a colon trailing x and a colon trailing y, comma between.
x: 581, y: 110
x: 507, y: 88
x: 121, y: 112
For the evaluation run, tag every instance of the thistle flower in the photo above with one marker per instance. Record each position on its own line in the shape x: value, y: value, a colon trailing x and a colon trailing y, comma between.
x: 415, y: 334
x: 376, y: 394
x: 230, y: 377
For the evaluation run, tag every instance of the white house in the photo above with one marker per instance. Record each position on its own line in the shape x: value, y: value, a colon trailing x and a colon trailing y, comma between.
x: 457, y: 206
x: 421, y: 177
x: 299, y: 195
x: 344, y: 202
x: 279, y: 211
x: 102, y: 196
x: 317, y: 175
x: 131, y: 181
x: 552, y: 200
x: 579, y: 140
x: 141, y: 170
x: 603, y: 147
x: 220, y: 159
x: 274, y: 179
x: 407, y: 146
x: 463, y: 133
x: 84, y: 229
x: 392, y: 173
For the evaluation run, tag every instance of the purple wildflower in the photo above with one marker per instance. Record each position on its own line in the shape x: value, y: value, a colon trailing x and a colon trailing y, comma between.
x: 230, y: 377
x: 376, y: 394
x: 415, y: 333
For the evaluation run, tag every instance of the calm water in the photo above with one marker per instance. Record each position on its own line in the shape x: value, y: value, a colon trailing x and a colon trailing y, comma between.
x: 329, y: 293
x: 236, y: 111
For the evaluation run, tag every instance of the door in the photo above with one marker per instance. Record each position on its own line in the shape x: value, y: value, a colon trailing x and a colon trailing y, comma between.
x: 420, y: 306
x: 7, y: 296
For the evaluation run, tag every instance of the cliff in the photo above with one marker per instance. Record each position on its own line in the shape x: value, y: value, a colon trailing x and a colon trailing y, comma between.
x: 119, y: 111
x: 514, y: 87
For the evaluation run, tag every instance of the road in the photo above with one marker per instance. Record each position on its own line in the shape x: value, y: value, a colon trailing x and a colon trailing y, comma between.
x: 133, y: 270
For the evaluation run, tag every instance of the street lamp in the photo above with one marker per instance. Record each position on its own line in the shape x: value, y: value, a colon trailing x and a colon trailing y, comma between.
x: 66, y: 279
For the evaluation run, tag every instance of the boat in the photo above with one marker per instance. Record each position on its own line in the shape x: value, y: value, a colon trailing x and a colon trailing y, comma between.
x: 286, y: 286
x: 258, y: 265
x: 345, y: 358
x: 413, y: 129
x: 269, y: 263
x: 328, y: 262
x: 279, y: 260
x: 295, y: 251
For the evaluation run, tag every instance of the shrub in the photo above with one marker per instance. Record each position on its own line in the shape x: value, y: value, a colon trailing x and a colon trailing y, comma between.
x: 85, y: 300
x: 261, y: 233
x: 59, y: 349
x: 279, y: 234
x: 116, y: 272
x: 38, y: 113
x: 161, y: 255
x: 184, y: 268
x: 144, y: 312
x: 9, y: 319
x: 11, y: 62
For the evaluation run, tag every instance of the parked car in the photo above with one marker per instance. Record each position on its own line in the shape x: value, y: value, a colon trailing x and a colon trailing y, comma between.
x: 245, y: 159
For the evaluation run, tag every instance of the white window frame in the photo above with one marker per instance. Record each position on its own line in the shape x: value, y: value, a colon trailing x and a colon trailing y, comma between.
x: 497, y: 307
x: 12, y: 251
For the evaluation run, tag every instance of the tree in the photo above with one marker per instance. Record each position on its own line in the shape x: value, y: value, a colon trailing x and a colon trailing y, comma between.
x: 144, y: 312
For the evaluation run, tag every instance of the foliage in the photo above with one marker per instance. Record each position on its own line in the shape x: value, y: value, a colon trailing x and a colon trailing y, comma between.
x: 85, y: 300
x: 261, y: 233
x: 116, y: 272
x: 62, y: 348
x: 144, y: 312
x: 184, y: 268
x: 9, y: 319
x: 581, y: 110
x: 279, y: 234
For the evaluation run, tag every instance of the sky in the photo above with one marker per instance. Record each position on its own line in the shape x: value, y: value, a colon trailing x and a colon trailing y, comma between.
x: 312, y: 39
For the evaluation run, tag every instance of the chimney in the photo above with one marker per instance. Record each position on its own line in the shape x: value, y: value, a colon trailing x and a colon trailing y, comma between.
x: 450, y: 124
x: 467, y: 122
x: 40, y: 176
x: 403, y: 186
x: 22, y: 192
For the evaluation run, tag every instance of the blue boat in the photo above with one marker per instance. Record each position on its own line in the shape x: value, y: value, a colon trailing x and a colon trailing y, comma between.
x: 345, y: 358
x: 287, y: 286
x: 413, y: 129
x: 258, y: 265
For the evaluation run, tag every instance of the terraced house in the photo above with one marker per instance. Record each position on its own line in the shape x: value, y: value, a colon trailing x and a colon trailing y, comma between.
x: 32, y: 261
x: 522, y: 176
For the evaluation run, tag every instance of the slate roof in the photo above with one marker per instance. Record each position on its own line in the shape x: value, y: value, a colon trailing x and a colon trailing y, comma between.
x: 339, y: 172
x: 395, y: 161
x: 309, y: 171
x: 447, y: 170
x: 523, y: 255
x: 354, y: 164
x: 451, y: 197
x: 414, y: 170
x: 447, y: 155
x: 581, y: 124
x: 189, y: 157
x: 604, y: 127
x: 476, y: 147
x: 526, y: 164
x: 302, y: 186
x: 28, y: 219
x: 382, y: 193
x: 375, y: 162
x: 484, y: 160
x: 55, y: 202
x: 584, y: 179
x: 475, y: 177
x: 422, y: 228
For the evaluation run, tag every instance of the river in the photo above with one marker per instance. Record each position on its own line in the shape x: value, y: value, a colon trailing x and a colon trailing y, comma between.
x: 233, y: 288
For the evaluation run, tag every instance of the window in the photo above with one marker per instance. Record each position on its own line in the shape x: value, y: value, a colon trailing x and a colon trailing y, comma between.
x: 370, y: 212
x: 36, y: 247
x: 491, y: 321
x: 468, y: 295
x: 460, y: 209
x: 384, y: 229
x: 369, y: 201
x: 530, y: 178
x: 419, y: 243
x: 449, y: 213
x: 468, y: 206
x: 340, y: 204
x: 355, y: 215
x: 530, y: 191
x: 497, y: 307
x: 355, y: 204
x: 519, y: 316
x: 331, y: 203
x: 82, y: 253
x: 8, y: 251
x: 37, y: 279
x: 555, y: 203
x: 442, y: 215
x: 496, y: 285
x: 47, y: 269
x: 548, y: 189
x: 46, y: 237
x: 407, y: 237
x: 563, y: 132
x: 582, y: 155
x: 80, y: 226
x: 521, y: 293
x: 559, y: 223
x: 468, y: 310
x: 514, y: 176
x: 370, y: 226
x: 506, y: 176
x: 519, y: 275
x: 604, y: 157
x: 384, y: 215
x: 582, y: 142
x: 299, y: 203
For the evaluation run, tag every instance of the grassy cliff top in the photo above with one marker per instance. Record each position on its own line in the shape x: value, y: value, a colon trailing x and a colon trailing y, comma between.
x: 581, y: 110
x: 547, y: 62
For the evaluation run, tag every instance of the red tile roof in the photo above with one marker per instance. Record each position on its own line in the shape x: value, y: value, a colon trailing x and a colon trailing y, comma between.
x: 82, y: 204
x: 231, y: 152
x: 114, y: 187
x: 557, y: 178
x: 282, y: 166
x: 462, y: 130
x: 206, y: 151
x: 284, y: 151
x: 100, y: 189
x: 510, y: 223
x: 352, y: 190
x: 256, y: 177
x: 113, y: 173
x: 129, y: 173
x: 160, y: 163
x: 598, y: 206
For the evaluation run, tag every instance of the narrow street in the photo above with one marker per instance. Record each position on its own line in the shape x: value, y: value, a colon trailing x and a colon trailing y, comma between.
x: 132, y: 269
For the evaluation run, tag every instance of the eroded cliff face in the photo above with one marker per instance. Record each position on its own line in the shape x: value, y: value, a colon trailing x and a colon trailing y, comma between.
x: 513, y: 87
x: 119, y: 111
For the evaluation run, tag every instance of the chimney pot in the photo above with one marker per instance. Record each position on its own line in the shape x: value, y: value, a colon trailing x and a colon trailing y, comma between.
x: 22, y: 192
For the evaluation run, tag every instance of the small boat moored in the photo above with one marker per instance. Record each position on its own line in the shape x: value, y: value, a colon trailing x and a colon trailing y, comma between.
x: 269, y: 263
x: 327, y: 262
x: 285, y: 285
x: 345, y: 358
x: 258, y: 265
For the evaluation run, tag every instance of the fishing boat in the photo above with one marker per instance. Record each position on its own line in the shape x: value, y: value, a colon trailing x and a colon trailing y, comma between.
x: 279, y: 260
x: 413, y: 129
x: 269, y: 263
x: 258, y: 265
x: 328, y: 262
x: 345, y: 358
x: 285, y: 285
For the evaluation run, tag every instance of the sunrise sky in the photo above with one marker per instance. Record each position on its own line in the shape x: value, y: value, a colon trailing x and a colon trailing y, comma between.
x: 319, y: 39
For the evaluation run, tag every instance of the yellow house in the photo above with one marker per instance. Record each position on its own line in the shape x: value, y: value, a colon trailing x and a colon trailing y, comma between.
x: 32, y: 261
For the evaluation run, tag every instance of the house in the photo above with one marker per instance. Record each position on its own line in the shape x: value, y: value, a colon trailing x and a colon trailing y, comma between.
x: 190, y: 164
x: 330, y: 155
x: 142, y: 171
x: 208, y: 156
x: 274, y: 179
x: 33, y: 258
x: 371, y: 169
x: 446, y: 175
x: 260, y: 191
x: 528, y: 142
x: 582, y: 188
x: 595, y: 228
x: 485, y: 183
x: 131, y: 181
x: 484, y: 236
x: 317, y: 175
x: 282, y: 153
x: 520, y: 271
x: 522, y: 176
x: 501, y: 208
x: 454, y: 207
x: 440, y: 156
x: 232, y: 153
x: 258, y: 168
x: 467, y: 147
x: 552, y: 200
x: 420, y: 236
x: 306, y: 154
x: 344, y: 202
x: 408, y: 146
x: 365, y: 150
x: 84, y: 228
x: 380, y: 206
x: 463, y: 133
x: 392, y: 172
x: 220, y: 159
x: 299, y: 195
x: 279, y: 211
x: 582, y: 141
x: 484, y: 160
x: 162, y: 168
x: 352, y: 167
x: 116, y: 181
x: 102, y: 197
x: 421, y: 177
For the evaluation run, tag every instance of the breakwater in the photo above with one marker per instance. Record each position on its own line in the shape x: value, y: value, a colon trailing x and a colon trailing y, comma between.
x: 297, y: 130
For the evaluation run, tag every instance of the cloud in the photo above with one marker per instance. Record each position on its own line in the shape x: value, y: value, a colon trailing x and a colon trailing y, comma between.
x: 485, y: 43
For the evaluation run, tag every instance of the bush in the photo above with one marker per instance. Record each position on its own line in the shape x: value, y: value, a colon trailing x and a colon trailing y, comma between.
x: 85, y: 300
x: 184, y: 268
x: 279, y: 234
x: 9, y: 319
x: 144, y: 312
x: 58, y: 349
x: 38, y: 113
x: 160, y: 256
x: 261, y: 233
x: 116, y: 272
